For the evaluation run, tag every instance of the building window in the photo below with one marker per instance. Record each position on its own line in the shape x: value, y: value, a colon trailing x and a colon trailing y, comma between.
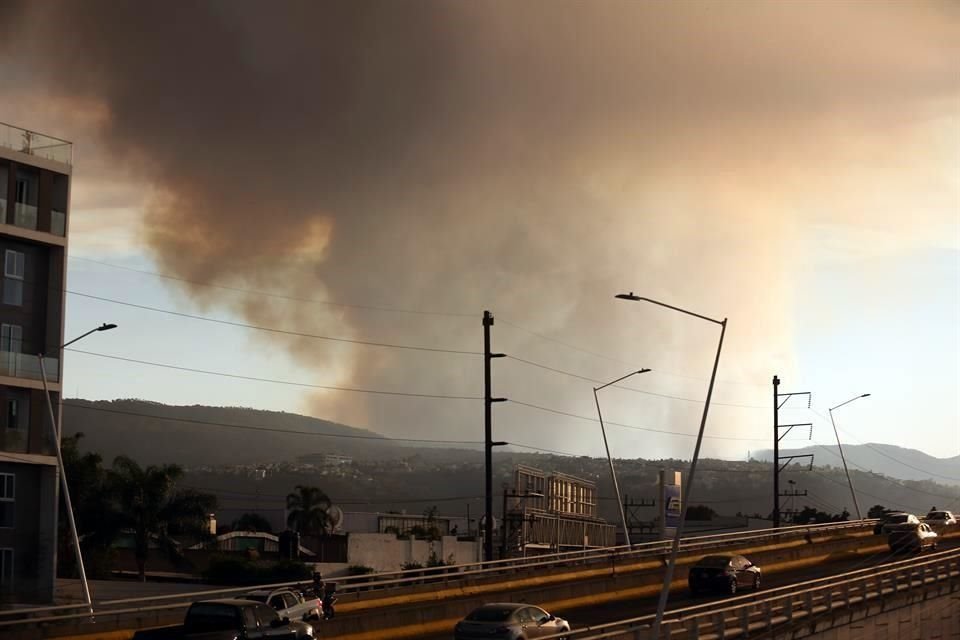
x: 6, y: 568
x: 11, y: 343
x: 7, y: 499
x: 13, y: 269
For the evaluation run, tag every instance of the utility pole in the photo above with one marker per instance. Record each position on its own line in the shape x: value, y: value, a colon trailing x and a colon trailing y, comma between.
x: 489, y: 444
x: 776, y: 453
x: 776, y: 442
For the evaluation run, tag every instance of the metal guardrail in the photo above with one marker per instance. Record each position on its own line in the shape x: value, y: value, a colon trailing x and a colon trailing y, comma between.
x: 775, y: 607
x: 443, y: 576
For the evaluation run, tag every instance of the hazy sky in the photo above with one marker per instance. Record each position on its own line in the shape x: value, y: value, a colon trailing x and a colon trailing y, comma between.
x: 794, y: 167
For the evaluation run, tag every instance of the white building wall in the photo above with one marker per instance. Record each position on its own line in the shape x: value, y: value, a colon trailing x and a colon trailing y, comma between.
x: 385, y: 552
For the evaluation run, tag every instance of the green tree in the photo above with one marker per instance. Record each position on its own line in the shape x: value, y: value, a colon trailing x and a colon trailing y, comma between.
x: 252, y: 522
x: 700, y: 512
x: 308, y: 509
x: 876, y: 511
x: 149, y: 505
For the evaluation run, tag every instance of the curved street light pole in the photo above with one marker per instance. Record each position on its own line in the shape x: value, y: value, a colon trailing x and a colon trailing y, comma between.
x: 55, y: 427
x: 613, y: 474
x: 853, y: 494
x: 688, y: 484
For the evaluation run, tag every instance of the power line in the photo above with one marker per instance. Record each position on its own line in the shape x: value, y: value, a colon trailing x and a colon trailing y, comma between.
x: 244, y: 427
x: 886, y: 455
x: 612, y: 359
x: 627, y: 426
x: 285, y: 332
x: 276, y: 295
x: 634, y: 390
x: 273, y: 381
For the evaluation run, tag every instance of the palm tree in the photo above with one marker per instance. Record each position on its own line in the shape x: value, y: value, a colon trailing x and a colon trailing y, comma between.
x: 149, y: 504
x: 308, y: 511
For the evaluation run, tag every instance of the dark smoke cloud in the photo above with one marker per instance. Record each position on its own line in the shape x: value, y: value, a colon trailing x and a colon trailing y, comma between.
x: 532, y: 158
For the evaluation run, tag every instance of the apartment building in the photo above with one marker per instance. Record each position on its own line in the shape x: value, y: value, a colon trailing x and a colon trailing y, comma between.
x: 34, y: 194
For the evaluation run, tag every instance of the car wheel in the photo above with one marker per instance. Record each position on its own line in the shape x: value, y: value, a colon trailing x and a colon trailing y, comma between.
x: 732, y: 588
x: 756, y: 582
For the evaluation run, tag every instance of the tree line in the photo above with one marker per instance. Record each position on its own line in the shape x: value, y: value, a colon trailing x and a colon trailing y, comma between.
x: 145, y: 503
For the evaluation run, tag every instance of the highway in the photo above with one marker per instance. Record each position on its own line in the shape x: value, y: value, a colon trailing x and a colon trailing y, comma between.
x: 599, y: 614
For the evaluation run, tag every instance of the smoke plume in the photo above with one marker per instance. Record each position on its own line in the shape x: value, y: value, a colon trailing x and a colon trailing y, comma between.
x: 529, y: 158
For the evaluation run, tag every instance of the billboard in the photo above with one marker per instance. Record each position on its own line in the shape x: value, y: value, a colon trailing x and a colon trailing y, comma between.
x: 671, y: 505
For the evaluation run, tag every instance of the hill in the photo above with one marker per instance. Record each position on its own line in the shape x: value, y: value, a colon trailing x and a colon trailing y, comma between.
x: 890, y: 460
x: 154, y: 433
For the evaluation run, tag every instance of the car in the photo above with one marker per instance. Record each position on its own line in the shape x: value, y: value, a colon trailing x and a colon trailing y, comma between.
x: 287, y: 603
x: 234, y: 619
x: 940, y: 519
x: 726, y: 573
x: 912, y: 537
x: 509, y: 621
x: 895, y: 519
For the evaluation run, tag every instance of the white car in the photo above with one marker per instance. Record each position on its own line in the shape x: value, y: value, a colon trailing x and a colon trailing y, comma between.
x: 940, y: 519
x: 287, y: 603
x: 892, y: 521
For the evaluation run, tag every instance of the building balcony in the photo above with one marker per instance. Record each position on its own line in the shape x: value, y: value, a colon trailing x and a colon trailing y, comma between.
x: 36, y: 144
x: 27, y: 365
x: 25, y: 215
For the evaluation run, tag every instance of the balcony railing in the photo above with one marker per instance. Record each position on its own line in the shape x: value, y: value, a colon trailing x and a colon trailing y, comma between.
x: 36, y: 144
x: 58, y: 223
x: 25, y: 215
x: 27, y: 365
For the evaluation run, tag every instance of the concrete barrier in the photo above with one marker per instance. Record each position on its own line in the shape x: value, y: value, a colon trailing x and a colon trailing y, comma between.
x: 428, y: 609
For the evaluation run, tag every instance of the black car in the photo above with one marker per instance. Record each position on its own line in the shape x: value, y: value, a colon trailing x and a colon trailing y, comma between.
x: 723, y: 573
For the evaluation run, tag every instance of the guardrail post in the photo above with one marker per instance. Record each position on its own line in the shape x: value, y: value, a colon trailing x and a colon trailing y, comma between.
x: 808, y: 602
x: 745, y: 621
x: 788, y: 608
x: 693, y: 631
x: 720, y: 625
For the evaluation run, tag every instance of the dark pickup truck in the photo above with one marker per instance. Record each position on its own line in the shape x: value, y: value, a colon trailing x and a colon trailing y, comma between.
x: 240, y: 620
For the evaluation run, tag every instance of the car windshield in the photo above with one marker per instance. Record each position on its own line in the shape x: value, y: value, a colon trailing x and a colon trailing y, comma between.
x: 490, y: 614
x: 254, y: 597
x: 938, y: 515
x: 206, y: 617
x: 714, y: 562
x: 903, y: 517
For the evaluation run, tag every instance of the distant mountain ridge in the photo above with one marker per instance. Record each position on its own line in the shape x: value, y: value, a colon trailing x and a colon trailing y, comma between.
x: 888, y: 459
x: 154, y: 433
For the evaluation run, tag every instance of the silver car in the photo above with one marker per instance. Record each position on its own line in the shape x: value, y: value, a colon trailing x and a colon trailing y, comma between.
x: 509, y: 621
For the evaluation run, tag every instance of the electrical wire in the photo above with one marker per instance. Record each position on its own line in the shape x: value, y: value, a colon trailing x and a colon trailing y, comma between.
x: 611, y: 358
x: 273, y: 381
x: 627, y: 426
x: 633, y: 389
x: 285, y: 332
x: 275, y: 295
x: 886, y: 455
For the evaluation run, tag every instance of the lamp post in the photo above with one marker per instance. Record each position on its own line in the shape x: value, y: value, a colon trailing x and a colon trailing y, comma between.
x: 613, y: 474
x: 853, y: 494
x: 54, y: 425
x: 688, y: 485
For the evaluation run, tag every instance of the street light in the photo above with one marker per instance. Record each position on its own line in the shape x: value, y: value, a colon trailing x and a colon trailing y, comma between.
x: 55, y: 426
x: 853, y: 494
x: 688, y: 485
x: 613, y: 474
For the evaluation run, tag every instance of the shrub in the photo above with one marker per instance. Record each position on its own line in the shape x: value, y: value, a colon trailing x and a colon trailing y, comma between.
x: 232, y: 570
x: 359, y: 570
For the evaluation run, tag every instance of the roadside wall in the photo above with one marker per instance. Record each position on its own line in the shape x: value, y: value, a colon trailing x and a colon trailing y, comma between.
x: 386, y: 552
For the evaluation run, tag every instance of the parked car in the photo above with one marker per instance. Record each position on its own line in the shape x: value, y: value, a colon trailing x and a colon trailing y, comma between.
x: 940, y: 519
x: 230, y: 619
x: 726, y: 573
x: 287, y: 602
x: 509, y: 621
x: 895, y: 519
x: 912, y: 537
